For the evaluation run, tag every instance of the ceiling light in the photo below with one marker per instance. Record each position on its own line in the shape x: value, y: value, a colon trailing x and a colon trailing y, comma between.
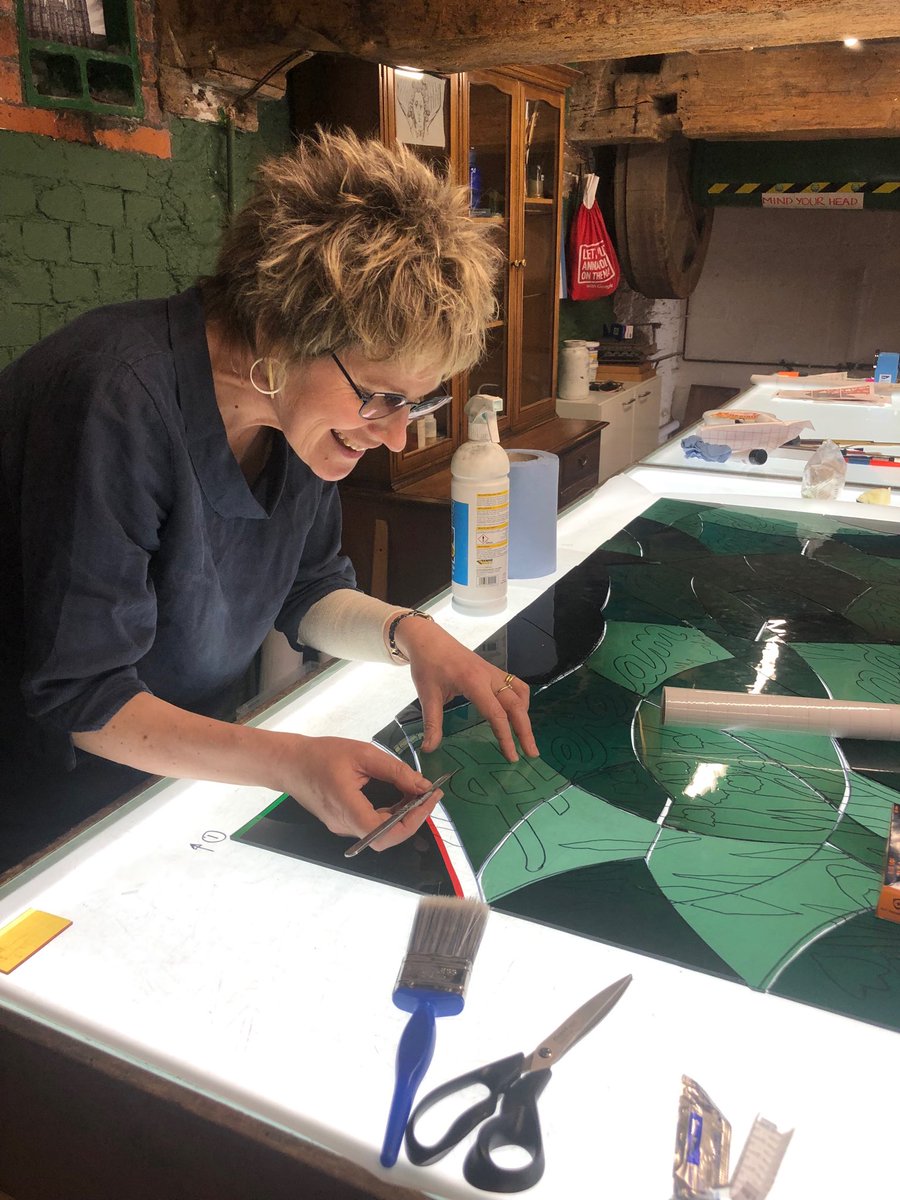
x: 852, y: 43
x: 409, y: 72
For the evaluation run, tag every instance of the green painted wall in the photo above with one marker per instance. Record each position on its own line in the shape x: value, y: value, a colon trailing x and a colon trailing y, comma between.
x: 82, y: 226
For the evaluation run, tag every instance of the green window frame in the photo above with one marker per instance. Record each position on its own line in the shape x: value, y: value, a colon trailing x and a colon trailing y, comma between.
x: 102, y: 77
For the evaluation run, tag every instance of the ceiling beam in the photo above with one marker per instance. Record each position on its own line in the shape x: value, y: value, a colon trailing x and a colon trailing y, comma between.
x: 788, y: 93
x: 464, y: 34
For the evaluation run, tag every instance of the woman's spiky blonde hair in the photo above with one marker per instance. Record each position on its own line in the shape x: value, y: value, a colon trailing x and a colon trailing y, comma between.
x: 347, y: 243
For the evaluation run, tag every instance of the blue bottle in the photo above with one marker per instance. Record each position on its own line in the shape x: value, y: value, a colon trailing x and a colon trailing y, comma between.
x: 474, y: 181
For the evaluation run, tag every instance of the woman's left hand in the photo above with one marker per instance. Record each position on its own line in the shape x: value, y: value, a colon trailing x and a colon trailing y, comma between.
x: 443, y: 668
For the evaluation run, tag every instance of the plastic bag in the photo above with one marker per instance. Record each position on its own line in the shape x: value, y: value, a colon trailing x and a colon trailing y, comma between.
x: 593, y: 266
x: 824, y: 474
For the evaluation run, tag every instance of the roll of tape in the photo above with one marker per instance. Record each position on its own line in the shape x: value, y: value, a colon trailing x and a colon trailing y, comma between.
x: 533, y: 487
x: 788, y: 714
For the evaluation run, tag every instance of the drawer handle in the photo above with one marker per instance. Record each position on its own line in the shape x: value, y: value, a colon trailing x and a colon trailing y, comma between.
x: 583, y: 462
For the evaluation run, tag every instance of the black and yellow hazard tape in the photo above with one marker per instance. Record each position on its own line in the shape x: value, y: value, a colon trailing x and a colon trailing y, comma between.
x: 884, y: 188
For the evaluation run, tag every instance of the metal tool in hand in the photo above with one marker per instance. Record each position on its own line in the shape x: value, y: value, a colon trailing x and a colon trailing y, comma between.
x: 397, y: 814
x: 517, y: 1081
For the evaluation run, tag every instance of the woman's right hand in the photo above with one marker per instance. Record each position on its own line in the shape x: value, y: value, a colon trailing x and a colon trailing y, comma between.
x: 326, y: 776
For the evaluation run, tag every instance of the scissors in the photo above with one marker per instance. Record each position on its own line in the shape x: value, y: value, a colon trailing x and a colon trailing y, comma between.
x: 519, y: 1081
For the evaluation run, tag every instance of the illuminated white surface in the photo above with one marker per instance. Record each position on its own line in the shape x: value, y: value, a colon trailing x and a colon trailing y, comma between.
x: 266, y: 982
x: 830, y: 420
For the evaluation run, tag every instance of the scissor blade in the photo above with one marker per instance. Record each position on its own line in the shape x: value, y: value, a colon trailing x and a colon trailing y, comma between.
x: 574, y: 1028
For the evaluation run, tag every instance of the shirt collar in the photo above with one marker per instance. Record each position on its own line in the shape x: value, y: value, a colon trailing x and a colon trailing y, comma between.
x: 218, y: 472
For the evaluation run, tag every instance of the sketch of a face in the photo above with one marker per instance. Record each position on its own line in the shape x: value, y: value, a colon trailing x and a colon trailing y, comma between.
x: 419, y: 106
x: 418, y: 113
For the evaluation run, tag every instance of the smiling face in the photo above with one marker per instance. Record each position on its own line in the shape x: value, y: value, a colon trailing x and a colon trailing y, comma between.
x: 318, y: 411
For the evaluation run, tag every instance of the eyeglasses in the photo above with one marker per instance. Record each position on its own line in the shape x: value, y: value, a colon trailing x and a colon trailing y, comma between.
x: 374, y: 405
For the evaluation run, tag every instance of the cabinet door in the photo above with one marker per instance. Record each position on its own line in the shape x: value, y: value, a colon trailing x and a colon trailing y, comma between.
x: 645, y: 435
x: 536, y: 262
x: 488, y: 157
x: 615, y: 441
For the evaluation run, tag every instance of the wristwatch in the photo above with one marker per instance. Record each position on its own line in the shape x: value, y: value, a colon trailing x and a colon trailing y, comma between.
x: 393, y: 649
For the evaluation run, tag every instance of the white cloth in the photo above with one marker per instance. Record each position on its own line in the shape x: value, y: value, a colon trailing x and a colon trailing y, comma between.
x: 349, y: 624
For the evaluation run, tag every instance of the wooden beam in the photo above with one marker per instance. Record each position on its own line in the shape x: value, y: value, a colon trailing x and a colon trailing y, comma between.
x: 788, y: 93
x: 464, y: 34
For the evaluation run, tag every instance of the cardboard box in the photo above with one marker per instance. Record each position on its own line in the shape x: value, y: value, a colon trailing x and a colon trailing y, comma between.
x: 626, y: 372
x: 889, y: 900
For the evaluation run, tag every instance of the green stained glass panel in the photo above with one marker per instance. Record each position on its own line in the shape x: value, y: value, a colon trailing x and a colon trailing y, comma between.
x: 640, y: 657
x: 856, y: 672
x: 756, y: 856
x: 573, y: 829
x: 757, y: 905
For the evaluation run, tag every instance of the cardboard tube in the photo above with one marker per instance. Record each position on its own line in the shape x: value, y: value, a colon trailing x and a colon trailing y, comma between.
x: 788, y: 714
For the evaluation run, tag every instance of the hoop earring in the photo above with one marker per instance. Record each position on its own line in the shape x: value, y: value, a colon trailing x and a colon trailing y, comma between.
x: 274, y: 369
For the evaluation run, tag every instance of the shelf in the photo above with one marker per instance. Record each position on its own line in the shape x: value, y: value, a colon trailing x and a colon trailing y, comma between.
x: 540, y: 201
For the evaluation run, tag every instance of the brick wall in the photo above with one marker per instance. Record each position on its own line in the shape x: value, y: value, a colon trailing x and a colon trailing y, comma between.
x: 148, y: 136
x: 81, y: 225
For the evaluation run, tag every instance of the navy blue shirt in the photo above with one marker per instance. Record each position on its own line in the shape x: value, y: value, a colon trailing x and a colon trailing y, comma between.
x: 134, y: 556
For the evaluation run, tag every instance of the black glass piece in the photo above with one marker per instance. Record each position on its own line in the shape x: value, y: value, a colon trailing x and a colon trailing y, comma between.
x: 854, y: 968
x: 878, y: 761
x: 629, y: 786
x: 619, y: 903
x: 416, y: 864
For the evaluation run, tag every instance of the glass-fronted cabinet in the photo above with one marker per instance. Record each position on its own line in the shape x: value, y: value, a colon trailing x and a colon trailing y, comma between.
x: 490, y: 104
x: 513, y: 130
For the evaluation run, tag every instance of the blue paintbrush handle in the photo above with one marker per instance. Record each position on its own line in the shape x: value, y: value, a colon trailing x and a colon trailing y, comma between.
x: 413, y: 1058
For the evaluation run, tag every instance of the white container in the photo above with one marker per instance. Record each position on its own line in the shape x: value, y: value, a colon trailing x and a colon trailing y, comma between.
x: 574, y: 373
x: 479, y: 496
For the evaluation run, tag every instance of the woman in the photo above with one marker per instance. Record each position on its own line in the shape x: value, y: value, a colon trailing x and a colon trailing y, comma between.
x: 170, y: 472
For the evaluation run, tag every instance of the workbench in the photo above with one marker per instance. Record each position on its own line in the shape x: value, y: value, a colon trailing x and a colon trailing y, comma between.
x: 217, y: 1021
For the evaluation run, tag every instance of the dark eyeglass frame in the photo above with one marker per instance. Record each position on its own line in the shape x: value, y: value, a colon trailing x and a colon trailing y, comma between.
x: 375, y: 405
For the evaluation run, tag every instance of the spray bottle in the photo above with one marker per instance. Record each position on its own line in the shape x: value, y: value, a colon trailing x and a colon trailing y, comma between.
x: 479, y: 494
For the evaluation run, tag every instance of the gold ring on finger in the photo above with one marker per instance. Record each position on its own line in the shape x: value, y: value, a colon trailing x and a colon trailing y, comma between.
x: 503, y: 689
x: 509, y: 680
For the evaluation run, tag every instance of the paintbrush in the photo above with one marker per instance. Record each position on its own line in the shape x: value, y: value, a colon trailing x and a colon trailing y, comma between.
x: 445, y: 937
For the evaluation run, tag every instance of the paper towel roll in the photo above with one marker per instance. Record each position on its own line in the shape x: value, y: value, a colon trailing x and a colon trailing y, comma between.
x: 533, y: 486
x: 788, y: 714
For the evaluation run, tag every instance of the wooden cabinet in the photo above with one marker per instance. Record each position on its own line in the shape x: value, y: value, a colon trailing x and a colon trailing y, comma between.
x: 507, y: 124
x: 513, y: 132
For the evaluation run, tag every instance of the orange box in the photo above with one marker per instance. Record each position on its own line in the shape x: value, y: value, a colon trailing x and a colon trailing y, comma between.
x: 889, y: 901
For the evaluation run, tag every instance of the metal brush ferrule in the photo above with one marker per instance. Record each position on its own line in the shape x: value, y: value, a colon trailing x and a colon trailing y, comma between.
x: 439, y: 972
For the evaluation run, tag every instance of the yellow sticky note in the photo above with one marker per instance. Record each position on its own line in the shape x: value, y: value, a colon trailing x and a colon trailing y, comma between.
x: 25, y: 935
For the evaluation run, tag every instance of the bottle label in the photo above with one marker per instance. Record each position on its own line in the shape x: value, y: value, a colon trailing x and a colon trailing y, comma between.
x: 459, y: 542
x: 482, y: 562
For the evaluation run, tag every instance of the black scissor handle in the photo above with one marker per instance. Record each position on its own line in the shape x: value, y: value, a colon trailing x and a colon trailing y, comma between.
x: 496, y: 1076
x: 516, y: 1124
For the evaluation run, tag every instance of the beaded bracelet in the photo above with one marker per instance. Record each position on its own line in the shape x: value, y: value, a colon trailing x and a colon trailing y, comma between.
x: 393, y: 648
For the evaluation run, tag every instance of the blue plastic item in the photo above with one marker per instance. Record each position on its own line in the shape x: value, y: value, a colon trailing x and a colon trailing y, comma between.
x: 414, y: 1054
x: 474, y: 180
x: 695, y: 447
x: 887, y: 365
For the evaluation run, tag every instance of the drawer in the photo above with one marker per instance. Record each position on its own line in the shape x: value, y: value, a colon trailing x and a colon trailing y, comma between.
x: 579, y: 470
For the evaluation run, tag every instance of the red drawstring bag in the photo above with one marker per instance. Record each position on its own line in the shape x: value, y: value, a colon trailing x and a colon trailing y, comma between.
x: 593, y: 266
